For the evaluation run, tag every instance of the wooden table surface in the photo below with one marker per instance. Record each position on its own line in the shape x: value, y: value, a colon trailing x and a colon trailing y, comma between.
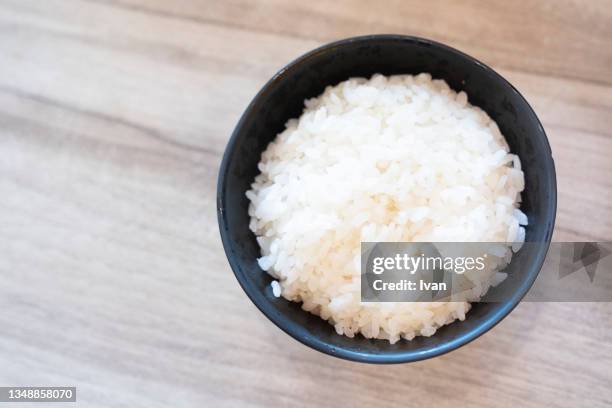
x: 113, y: 119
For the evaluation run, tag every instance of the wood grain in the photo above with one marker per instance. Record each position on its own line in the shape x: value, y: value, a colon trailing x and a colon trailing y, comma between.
x: 113, y: 118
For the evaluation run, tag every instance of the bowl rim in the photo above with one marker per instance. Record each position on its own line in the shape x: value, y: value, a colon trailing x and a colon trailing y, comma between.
x: 405, y: 356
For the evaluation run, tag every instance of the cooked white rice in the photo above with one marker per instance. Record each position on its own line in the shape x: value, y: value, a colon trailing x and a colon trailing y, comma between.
x: 399, y: 158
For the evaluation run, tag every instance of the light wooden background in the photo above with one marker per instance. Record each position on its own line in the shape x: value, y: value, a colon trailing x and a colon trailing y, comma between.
x: 113, y: 118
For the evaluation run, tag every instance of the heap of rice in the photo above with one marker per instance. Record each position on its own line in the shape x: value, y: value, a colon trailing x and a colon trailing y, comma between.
x: 399, y: 158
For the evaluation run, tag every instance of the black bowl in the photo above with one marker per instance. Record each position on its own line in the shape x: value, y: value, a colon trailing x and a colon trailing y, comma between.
x: 282, y: 98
